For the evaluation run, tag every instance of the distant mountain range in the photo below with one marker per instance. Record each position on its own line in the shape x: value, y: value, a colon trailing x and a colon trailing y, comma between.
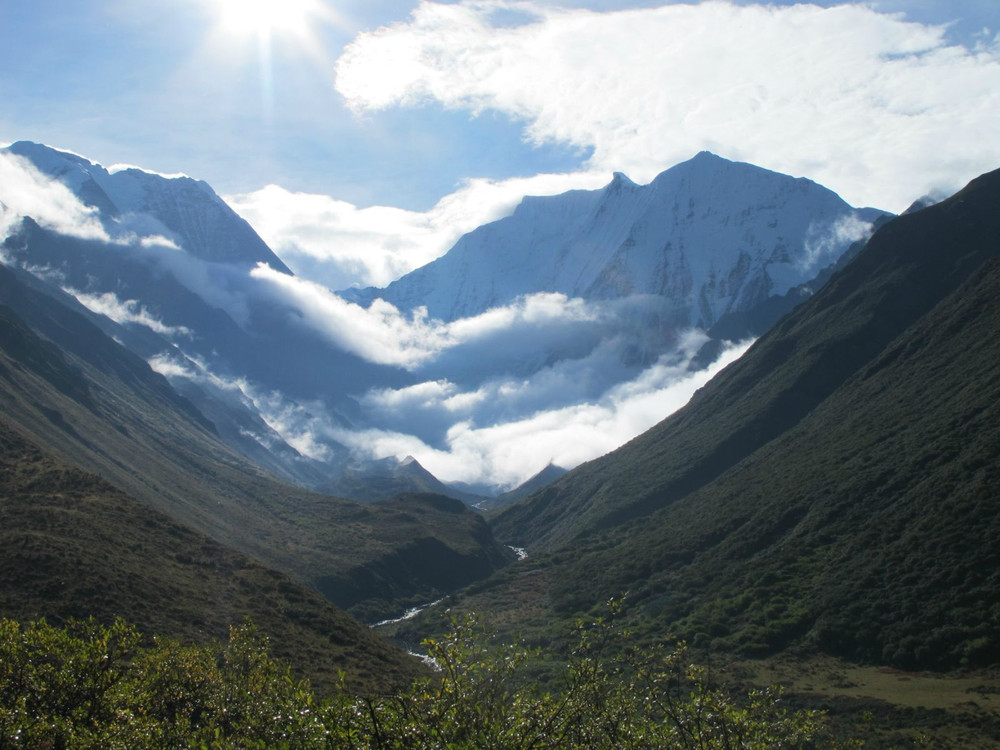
x: 274, y: 365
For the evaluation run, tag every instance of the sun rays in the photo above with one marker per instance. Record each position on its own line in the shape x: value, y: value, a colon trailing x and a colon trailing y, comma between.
x: 269, y: 33
x: 268, y: 17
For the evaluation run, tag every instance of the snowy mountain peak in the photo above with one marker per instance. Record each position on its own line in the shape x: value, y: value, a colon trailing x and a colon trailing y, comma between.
x: 708, y: 237
x: 47, y: 159
x: 178, y: 207
x: 703, y: 158
x: 620, y: 180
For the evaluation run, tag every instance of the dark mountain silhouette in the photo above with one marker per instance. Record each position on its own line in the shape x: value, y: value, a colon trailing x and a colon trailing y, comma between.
x: 387, y: 478
x: 542, y: 479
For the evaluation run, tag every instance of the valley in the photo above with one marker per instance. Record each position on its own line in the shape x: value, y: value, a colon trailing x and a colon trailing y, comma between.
x: 830, y: 497
x: 803, y: 436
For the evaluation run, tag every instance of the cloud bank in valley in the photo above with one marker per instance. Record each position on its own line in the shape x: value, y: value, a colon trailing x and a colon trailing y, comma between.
x: 497, y: 434
x: 544, y: 325
x: 494, y: 397
x: 126, y: 312
x: 479, y: 446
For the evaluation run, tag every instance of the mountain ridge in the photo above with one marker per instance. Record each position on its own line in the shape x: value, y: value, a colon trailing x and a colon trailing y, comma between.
x: 609, y: 243
x: 209, y: 230
x: 817, y: 381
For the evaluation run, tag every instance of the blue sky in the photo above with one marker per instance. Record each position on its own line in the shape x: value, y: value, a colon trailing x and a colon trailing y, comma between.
x: 160, y: 85
x: 385, y: 128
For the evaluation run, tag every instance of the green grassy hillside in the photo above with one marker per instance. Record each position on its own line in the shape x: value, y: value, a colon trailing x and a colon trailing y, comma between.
x: 72, y: 546
x: 867, y: 531
x: 830, y: 500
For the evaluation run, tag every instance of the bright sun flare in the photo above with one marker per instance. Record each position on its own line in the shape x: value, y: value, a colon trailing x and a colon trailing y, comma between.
x: 266, y: 16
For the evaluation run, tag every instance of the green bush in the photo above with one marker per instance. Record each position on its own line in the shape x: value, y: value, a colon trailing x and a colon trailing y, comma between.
x: 90, y: 686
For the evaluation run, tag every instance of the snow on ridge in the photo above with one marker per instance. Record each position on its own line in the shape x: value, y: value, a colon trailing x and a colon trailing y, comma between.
x: 116, y: 168
x: 706, y: 234
x: 185, y: 210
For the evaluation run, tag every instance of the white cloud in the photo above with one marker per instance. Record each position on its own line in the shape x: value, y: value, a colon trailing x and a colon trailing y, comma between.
x: 876, y: 108
x: 497, y: 392
x: 483, y: 423
x: 824, y: 244
x: 379, y: 333
x: 9, y: 219
x: 24, y: 191
x: 301, y: 425
x: 508, y: 452
x: 382, y: 334
x: 156, y: 240
x: 341, y: 245
x: 126, y: 312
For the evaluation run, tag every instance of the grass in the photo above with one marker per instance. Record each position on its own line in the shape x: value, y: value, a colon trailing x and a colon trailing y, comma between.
x: 826, y: 676
x: 72, y: 546
x: 890, y: 707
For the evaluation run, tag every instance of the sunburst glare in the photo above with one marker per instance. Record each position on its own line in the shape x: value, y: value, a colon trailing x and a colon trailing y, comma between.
x: 266, y: 17
x: 273, y: 28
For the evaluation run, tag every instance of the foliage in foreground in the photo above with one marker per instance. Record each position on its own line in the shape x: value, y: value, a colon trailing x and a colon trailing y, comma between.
x: 90, y: 686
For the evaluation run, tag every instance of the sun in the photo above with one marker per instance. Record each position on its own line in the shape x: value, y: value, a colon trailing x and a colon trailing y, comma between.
x: 266, y: 17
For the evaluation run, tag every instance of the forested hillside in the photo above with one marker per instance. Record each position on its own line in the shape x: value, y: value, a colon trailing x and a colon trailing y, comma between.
x: 835, y: 489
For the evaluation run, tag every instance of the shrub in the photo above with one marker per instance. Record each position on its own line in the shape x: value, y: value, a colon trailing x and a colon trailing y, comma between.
x: 89, y: 686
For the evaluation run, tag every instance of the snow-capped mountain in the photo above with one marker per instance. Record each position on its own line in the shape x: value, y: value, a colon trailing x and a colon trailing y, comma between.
x: 709, y: 236
x: 185, y: 211
x: 550, y: 336
x: 169, y: 274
